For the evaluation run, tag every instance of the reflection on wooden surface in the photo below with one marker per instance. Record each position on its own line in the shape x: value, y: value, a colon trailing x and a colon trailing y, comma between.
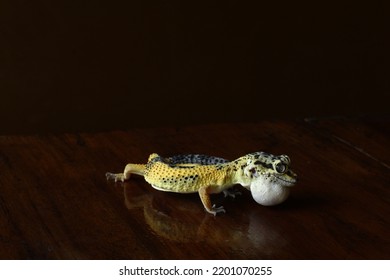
x: 188, y: 223
x: 55, y: 202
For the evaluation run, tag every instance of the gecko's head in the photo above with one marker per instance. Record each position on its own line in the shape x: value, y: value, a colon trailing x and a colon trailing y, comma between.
x: 270, y: 177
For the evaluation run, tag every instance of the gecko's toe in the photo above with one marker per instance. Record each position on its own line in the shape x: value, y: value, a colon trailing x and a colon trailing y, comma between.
x: 115, y: 177
x: 110, y: 176
x: 231, y: 193
x: 215, y: 210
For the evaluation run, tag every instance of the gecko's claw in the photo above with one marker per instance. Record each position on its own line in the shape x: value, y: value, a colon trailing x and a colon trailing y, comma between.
x: 215, y: 210
x: 231, y: 193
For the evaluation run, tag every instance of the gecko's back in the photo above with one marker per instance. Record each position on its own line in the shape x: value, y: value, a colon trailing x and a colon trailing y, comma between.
x: 184, y: 173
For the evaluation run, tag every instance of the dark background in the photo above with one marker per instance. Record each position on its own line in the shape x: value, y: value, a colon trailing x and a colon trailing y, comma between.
x: 101, y: 65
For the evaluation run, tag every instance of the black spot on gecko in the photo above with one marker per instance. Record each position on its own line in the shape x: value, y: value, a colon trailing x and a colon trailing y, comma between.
x: 196, y: 159
x: 258, y: 162
x: 219, y: 167
x: 183, y: 167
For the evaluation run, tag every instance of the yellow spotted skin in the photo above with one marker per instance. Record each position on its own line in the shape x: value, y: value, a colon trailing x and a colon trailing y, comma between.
x: 207, y: 175
x: 185, y: 178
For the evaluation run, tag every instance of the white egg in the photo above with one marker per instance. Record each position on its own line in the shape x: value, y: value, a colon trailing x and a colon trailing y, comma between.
x: 267, y: 192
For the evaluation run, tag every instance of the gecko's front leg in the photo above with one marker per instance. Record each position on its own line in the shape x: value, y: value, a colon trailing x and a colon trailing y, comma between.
x: 204, y: 193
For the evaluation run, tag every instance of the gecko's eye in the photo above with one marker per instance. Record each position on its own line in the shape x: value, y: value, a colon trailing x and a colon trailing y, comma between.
x: 280, y: 167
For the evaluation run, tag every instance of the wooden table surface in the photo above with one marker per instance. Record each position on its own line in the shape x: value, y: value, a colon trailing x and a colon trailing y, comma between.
x: 55, y: 202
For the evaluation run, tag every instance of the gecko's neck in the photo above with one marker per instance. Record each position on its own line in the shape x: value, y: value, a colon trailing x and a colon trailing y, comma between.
x: 235, y: 175
x: 239, y: 177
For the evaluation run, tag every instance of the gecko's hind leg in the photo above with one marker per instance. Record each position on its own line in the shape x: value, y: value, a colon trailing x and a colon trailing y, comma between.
x: 130, y: 168
x: 204, y: 194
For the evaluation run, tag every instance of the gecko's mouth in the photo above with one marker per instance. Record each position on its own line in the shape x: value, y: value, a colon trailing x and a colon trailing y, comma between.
x: 287, y: 182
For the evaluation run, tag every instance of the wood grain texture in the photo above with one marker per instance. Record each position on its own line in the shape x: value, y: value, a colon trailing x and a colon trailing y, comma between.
x: 55, y: 202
